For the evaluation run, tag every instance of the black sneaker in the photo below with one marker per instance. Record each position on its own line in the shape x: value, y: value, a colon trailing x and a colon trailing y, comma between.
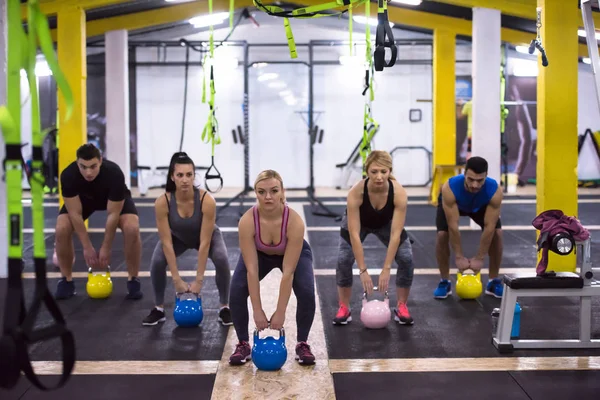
x: 134, y: 289
x: 154, y: 317
x: 225, y: 316
x: 64, y: 289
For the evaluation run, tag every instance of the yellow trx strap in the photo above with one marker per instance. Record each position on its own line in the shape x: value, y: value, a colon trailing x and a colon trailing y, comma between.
x: 210, y: 133
x: 20, y: 329
x: 370, y: 126
x: 318, y: 11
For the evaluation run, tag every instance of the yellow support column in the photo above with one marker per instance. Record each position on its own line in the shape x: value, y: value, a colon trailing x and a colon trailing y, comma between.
x: 444, y: 109
x: 557, y: 116
x: 72, y: 57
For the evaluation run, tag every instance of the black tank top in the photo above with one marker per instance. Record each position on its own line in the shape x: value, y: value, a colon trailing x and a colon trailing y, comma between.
x: 375, y: 219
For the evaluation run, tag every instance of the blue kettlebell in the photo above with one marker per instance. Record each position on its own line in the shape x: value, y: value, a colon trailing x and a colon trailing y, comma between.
x: 269, y: 354
x: 188, y: 310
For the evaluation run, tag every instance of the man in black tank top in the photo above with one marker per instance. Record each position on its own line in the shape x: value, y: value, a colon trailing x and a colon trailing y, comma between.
x: 92, y: 184
x: 376, y: 205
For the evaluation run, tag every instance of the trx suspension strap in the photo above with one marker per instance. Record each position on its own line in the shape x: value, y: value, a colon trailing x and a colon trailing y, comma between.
x: 18, y: 330
x: 318, y: 11
x: 211, y: 129
x: 370, y: 127
x: 384, y: 31
x: 537, y: 42
x: 503, y: 115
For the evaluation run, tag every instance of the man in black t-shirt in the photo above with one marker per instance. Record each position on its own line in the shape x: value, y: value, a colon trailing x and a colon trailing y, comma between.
x: 92, y: 184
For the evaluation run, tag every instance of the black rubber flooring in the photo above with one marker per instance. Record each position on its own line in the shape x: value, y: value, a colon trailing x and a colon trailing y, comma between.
x: 425, y: 215
x: 149, y: 239
x: 445, y: 328
x: 111, y: 329
x: 118, y: 387
x: 519, y: 385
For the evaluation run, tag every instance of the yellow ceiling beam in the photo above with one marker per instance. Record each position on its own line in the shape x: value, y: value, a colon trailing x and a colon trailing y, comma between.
x: 401, y: 16
x: 517, y: 8
x: 51, y: 7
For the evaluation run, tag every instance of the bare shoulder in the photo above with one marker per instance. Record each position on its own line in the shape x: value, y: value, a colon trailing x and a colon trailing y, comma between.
x: 497, y: 198
x: 246, y: 224
x: 295, y: 223
x: 209, y: 200
x: 400, y: 194
x: 447, y: 194
x: 161, y: 202
x: 355, y: 194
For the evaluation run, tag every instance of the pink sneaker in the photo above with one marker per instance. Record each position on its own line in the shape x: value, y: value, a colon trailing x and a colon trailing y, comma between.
x: 402, y: 315
x: 343, y: 316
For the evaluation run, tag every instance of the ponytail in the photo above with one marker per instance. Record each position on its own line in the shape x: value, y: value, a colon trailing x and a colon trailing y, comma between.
x: 177, y: 158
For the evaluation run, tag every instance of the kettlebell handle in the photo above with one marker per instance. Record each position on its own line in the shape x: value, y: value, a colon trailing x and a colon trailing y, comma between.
x: 281, y: 333
x: 107, y: 270
x: 375, y: 289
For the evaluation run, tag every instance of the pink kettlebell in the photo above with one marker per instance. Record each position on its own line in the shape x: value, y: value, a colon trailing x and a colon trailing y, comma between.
x: 375, y: 314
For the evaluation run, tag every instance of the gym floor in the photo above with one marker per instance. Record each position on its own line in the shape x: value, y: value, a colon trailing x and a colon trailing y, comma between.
x: 446, y: 353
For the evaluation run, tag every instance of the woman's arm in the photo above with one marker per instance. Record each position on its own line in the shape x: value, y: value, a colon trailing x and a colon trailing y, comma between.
x: 209, y: 216
x: 161, y: 211
x: 248, y: 249
x: 398, y: 220
x: 354, y: 202
x: 295, y: 242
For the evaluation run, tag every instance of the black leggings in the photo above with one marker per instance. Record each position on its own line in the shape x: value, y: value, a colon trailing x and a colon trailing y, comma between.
x: 303, y: 286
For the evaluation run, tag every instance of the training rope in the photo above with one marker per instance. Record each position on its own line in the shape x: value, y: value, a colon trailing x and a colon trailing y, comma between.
x: 370, y: 126
x: 210, y: 133
x: 19, y: 332
x: 537, y: 42
x: 384, y: 31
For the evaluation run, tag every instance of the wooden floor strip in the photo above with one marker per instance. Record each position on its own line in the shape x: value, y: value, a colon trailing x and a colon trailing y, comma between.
x: 127, y: 367
x: 293, y: 380
x: 464, y: 364
x: 318, y: 272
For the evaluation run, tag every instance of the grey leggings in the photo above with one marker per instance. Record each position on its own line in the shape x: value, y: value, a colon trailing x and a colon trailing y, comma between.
x: 217, y: 253
x: 404, y: 259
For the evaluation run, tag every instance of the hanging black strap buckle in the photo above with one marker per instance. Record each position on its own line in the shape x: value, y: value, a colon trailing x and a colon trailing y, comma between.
x: 384, y: 31
x: 19, y: 330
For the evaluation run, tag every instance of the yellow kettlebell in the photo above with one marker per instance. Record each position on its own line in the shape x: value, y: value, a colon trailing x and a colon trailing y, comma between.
x: 468, y: 286
x: 99, y: 284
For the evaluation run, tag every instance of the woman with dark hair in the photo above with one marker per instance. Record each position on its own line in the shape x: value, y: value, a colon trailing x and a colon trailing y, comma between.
x: 185, y: 217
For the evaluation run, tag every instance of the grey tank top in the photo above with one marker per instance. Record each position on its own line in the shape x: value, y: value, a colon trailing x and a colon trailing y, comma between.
x: 187, y: 230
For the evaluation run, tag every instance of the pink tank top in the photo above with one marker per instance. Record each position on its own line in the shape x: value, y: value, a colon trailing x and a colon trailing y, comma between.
x: 260, y: 246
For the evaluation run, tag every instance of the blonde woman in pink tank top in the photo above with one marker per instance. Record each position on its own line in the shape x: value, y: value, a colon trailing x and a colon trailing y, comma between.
x: 271, y: 236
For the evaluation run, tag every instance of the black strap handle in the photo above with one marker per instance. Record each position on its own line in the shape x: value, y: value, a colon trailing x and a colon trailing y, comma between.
x: 384, y: 31
x: 208, y: 176
x: 19, y: 330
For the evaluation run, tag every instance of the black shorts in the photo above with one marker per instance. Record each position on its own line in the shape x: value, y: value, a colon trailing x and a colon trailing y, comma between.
x: 88, y: 209
x: 478, y: 217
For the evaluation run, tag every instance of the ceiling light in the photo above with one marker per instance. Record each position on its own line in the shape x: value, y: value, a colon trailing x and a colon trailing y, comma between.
x: 408, y: 2
x: 208, y: 20
x: 361, y: 19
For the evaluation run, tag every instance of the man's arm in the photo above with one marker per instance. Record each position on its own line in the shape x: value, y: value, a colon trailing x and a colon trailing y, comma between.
x: 295, y: 241
x: 209, y: 216
x: 353, y: 214
x: 113, y: 211
x: 398, y: 221
x: 248, y: 249
x: 73, y: 205
x: 452, y: 218
x: 492, y: 213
